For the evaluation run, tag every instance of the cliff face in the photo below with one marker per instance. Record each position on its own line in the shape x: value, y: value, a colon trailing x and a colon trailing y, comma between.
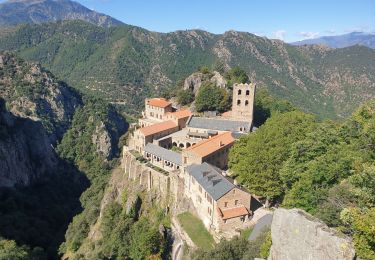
x: 298, y: 235
x: 34, y: 93
x: 26, y: 153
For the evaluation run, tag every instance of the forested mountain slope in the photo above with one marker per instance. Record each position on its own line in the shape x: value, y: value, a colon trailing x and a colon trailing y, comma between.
x: 40, y: 185
x: 14, y: 12
x: 125, y: 63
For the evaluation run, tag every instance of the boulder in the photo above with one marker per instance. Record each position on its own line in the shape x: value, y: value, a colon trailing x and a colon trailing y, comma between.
x: 297, y: 235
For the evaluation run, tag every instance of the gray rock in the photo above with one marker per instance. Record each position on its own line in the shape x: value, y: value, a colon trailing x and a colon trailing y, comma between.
x: 194, y: 81
x: 297, y: 235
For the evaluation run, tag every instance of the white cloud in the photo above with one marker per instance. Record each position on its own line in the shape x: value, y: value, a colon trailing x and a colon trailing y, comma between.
x: 279, y: 34
x: 308, y: 35
x: 330, y: 32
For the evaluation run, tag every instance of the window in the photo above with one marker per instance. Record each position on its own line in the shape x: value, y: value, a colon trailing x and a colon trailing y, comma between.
x: 225, y: 204
x: 243, y: 219
x: 239, y: 92
x: 235, y: 202
x: 247, y: 92
x: 238, y: 102
x: 246, y: 102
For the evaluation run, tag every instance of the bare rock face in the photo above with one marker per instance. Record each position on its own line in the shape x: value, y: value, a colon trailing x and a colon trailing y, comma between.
x: 102, y: 140
x: 26, y: 153
x: 297, y: 235
x: 195, y: 80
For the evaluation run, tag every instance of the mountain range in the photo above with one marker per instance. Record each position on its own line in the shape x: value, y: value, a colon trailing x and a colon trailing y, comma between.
x: 14, y: 12
x: 125, y: 63
x: 342, y: 41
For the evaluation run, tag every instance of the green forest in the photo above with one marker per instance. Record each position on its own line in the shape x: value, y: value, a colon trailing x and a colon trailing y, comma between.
x: 326, y: 168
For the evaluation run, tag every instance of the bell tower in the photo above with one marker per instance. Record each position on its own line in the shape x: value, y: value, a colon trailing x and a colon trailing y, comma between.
x: 243, y: 101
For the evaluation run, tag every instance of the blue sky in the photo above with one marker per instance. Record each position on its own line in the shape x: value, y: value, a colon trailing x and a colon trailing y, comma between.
x: 287, y: 20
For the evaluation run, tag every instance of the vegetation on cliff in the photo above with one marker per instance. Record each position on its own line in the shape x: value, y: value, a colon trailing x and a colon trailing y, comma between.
x: 324, y: 168
x: 112, y: 62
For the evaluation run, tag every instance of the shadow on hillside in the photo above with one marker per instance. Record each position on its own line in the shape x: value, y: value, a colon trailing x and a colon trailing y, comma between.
x: 39, y: 215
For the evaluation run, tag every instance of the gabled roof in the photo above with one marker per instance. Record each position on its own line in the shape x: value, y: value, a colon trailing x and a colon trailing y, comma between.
x: 165, y: 154
x: 218, y: 124
x: 211, y: 179
x: 180, y: 114
x: 210, y: 145
x: 158, y: 102
x: 156, y: 128
x: 233, y: 212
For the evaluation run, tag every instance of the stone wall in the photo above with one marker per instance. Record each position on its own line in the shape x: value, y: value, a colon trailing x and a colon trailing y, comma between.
x: 165, y: 185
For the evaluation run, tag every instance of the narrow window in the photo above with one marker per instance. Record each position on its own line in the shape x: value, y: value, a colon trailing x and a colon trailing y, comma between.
x: 246, y: 102
x: 225, y: 204
x: 239, y: 92
x: 238, y: 102
x: 235, y: 202
x: 247, y: 92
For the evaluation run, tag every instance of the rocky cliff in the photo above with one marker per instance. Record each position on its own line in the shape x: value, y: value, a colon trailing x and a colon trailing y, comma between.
x: 26, y: 153
x: 34, y: 93
x: 194, y: 81
x: 297, y: 235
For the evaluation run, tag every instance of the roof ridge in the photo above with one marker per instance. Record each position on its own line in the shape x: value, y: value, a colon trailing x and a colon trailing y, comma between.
x: 206, y: 141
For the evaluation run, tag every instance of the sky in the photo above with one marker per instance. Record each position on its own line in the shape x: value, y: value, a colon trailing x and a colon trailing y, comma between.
x: 287, y: 20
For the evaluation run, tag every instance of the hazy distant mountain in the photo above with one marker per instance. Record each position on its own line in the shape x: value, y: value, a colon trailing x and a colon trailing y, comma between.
x: 15, y: 12
x: 341, y: 41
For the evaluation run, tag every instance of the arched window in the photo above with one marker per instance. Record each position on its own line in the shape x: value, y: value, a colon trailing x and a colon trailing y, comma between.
x: 239, y: 92
x: 246, y: 102
x: 181, y: 145
x: 238, y: 102
x: 247, y: 92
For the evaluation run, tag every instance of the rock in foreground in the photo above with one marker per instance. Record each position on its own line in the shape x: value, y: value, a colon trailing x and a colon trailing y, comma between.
x: 298, y: 235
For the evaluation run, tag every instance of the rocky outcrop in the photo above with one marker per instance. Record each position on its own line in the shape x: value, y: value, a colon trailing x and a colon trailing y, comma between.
x: 195, y: 80
x: 34, y: 93
x: 297, y: 235
x: 107, y: 134
x: 38, y: 111
x: 26, y: 153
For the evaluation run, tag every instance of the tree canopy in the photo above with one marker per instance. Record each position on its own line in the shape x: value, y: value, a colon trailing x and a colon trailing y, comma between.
x: 211, y: 97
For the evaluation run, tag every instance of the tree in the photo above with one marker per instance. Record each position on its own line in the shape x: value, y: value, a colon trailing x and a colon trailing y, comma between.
x: 185, y: 97
x: 211, y: 98
x: 265, y: 106
x: 361, y: 224
x: 236, y: 75
x: 257, y: 158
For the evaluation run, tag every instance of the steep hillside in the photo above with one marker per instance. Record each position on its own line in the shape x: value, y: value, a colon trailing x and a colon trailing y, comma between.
x: 40, y: 185
x: 342, y: 41
x: 125, y: 63
x: 14, y: 12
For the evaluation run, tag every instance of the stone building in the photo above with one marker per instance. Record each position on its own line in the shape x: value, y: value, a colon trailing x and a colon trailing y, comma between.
x: 220, y: 204
x: 148, y: 134
x: 155, y: 109
x: 213, y: 150
x: 163, y: 158
x: 243, y: 101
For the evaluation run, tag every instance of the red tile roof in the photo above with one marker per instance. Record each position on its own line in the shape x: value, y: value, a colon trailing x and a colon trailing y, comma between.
x: 158, y: 102
x: 208, y: 146
x: 233, y: 212
x: 156, y: 128
x: 180, y: 114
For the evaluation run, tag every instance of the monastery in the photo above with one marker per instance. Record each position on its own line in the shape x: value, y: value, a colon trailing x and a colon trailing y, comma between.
x: 192, y: 153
